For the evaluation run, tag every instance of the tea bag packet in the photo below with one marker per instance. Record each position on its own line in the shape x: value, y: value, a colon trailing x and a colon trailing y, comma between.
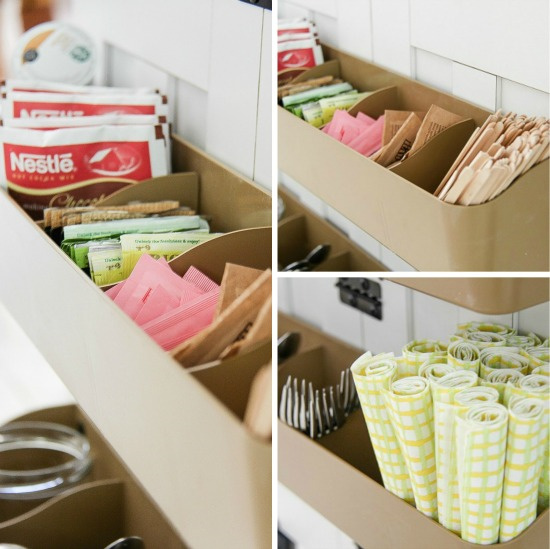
x: 396, y: 149
x: 58, y: 122
x: 33, y: 105
x: 292, y: 88
x: 128, y: 226
x: 236, y: 279
x: 105, y: 264
x: 37, y: 86
x: 77, y: 166
x: 342, y: 101
x: 435, y: 121
x: 167, y: 245
x: 315, y: 94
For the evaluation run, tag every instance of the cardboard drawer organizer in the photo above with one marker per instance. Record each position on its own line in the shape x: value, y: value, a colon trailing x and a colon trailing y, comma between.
x: 300, y: 230
x: 397, y: 206
x: 203, y: 468
x: 357, y: 502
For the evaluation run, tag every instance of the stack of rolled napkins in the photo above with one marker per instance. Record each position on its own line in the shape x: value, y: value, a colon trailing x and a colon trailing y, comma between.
x: 461, y: 431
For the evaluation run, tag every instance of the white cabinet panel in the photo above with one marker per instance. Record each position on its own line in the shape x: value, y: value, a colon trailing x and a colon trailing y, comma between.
x: 509, y: 39
x: 262, y: 161
x: 434, y: 70
x: 523, y: 99
x: 390, y: 35
x: 326, y: 7
x: 304, y: 524
x: 126, y: 70
x: 305, y: 196
x: 339, y: 320
x: 392, y: 332
x: 235, y: 57
x: 465, y: 315
x: 354, y: 27
x: 327, y: 27
x: 536, y: 319
x: 474, y: 85
x: 174, y: 35
x: 288, y: 10
x: 433, y: 318
x: 191, y: 113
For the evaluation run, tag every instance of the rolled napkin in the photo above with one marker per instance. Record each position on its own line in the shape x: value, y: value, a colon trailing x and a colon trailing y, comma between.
x: 526, y: 341
x: 524, y: 453
x: 538, y: 386
x: 371, y: 375
x: 539, y: 356
x: 475, y: 395
x: 435, y: 368
x: 409, y: 405
x: 463, y: 355
x: 543, y: 370
x: 500, y: 379
x: 476, y: 326
x: 481, y: 452
x: 481, y: 339
x: 503, y: 358
x: 418, y: 352
x: 443, y: 394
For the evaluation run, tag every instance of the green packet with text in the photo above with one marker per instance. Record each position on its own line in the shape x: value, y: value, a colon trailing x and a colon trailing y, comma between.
x: 105, y: 265
x: 78, y: 251
x: 109, y: 229
x: 315, y: 94
x: 166, y: 245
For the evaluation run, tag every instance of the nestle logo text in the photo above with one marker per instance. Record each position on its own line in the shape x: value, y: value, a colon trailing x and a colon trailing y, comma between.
x: 41, y: 163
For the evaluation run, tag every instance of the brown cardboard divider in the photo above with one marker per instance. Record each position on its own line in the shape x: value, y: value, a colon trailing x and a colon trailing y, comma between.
x: 86, y: 517
x: 355, y: 500
x: 300, y: 230
x: 107, y: 504
x: 377, y: 102
x: 329, y: 68
x: 230, y: 380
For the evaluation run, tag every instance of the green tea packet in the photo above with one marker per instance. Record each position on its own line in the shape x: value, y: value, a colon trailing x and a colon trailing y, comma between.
x: 167, y: 245
x: 344, y: 101
x: 105, y: 264
x: 109, y: 229
x: 78, y: 251
x: 316, y: 94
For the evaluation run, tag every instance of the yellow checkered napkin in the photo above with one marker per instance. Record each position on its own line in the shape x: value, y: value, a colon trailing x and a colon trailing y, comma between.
x: 481, y: 340
x: 537, y: 386
x: 435, y: 368
x: 503, y: 358
x: 475, y: 395
x: 409, y: 404
x: 524, y: 453
x: 463, y: 355
x: 418, y: 352
x: 443, y: 392
x: 540, y: 356
x: 500, y: 379
x: 543, y: 370
x: 481, y: 452
x: 371, y: 375
x: 476, y: 326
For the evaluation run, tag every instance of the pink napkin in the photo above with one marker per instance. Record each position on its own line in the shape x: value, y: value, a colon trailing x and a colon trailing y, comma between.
x: 370, y: 139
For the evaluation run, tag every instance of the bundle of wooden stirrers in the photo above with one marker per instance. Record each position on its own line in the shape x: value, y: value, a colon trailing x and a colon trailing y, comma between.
x: 505, y: 147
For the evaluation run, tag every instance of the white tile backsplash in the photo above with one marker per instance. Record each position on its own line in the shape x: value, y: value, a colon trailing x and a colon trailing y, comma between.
x: 354, y: 27
x: 474, y: 85
x: 434, y: 70
x: 535, y: 319
x: 523, y: 99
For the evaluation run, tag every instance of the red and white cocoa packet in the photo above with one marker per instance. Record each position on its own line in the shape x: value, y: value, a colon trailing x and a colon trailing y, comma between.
x: 41, y: 86
x: 77, y: 166
x: 33, y: 105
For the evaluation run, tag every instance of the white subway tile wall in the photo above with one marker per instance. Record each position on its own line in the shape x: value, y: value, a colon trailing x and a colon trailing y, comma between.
x: 457, y: 47
x: 213, y: 58
x: 406, y: 315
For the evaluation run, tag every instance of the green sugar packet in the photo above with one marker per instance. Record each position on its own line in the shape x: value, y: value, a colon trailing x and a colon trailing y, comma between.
x: 316, y: 94
x: 106, y: 265
x: 167, y: 245
x: 108, y: 229
x: 344, y: 101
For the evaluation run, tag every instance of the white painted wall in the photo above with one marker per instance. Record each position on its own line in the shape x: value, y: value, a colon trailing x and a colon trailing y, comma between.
x: 492, y: 53
x: 211, y: 57
x: 407, y: 315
